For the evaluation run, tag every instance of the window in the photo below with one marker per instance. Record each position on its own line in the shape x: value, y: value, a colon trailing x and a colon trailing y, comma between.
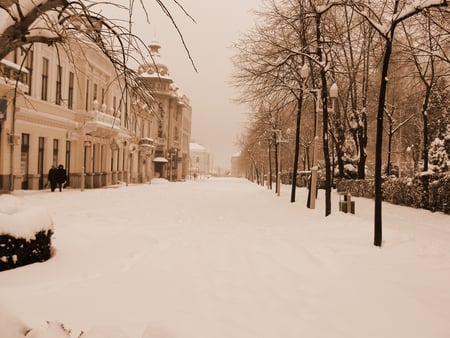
x: 24, y: 159
x: 68, y: 148
x: 95, y: 91
x: 40, y: 164
x: 70, y: 94
x: 55, y: 152
x: 29, y: 67
x: 87, y: 95
x: 58, y: 84
x: 44, y: 92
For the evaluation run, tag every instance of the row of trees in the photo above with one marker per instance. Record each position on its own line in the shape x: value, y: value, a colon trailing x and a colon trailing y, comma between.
x: 357, y: 69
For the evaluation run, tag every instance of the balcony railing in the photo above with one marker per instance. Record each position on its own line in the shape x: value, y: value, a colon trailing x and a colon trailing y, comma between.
x: 102, y: 125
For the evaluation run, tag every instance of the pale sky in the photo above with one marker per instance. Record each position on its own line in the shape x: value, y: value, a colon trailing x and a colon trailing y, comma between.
x: 216, y: 120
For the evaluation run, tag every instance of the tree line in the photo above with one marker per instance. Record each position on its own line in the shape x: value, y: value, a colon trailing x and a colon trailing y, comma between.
x: 370, y: 78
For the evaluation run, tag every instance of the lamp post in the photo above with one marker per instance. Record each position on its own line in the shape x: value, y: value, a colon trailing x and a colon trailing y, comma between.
x: 314, y: 168
x: 269, y: 182
x: 334, y: 94
x: 304, y: 74
x: 278, y: 141
x: 83, y: 159
x: 311, y: 203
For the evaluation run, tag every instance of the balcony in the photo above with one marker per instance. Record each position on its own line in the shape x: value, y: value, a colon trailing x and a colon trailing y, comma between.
x: 100, y: 124
x: 146, y: 144
x: 160, y: 141
x: 12, y: 74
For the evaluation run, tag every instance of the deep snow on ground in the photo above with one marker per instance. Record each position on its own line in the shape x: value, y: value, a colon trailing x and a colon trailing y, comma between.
x: 226, y: 258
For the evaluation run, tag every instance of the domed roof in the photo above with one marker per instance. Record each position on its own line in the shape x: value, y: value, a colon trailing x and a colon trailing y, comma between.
x: 154, y: 67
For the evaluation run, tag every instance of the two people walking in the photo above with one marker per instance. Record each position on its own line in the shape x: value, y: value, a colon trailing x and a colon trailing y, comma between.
x: 57, y: 177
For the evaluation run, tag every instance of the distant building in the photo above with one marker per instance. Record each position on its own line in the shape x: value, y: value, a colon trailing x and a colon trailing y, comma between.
x: 173, y: 124
x: 237, y: 167
x: 200, y: 164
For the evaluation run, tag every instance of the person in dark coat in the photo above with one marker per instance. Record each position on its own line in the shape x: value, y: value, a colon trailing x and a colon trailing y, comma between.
x: 52, y: 178
x: 61, y: 176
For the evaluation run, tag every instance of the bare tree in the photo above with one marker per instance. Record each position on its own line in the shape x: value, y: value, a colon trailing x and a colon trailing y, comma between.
x: 386, y: 27
x: 56, y: 22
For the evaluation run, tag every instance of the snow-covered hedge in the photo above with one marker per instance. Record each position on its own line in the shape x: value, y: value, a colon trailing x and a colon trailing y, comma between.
x: 428, y: 191
x: 25, y: 233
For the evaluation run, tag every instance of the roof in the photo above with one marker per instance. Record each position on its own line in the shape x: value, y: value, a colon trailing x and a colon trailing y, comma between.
x: 196, y: 147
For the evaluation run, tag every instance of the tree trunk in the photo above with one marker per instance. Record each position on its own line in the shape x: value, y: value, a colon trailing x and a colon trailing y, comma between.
x: 362, y: 140
x: 277, y: 153
x: 326, y: 151
x: 297, y: 147
x: 388, y: 165
x: 379, y: 142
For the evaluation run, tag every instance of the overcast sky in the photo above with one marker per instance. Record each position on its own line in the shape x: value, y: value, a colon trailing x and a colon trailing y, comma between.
x: 217, y: 121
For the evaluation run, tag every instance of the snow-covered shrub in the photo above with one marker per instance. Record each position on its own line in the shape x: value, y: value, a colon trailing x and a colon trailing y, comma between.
x: 427, y: 191
x: 437, y: 156
x: 350, y: 170
x: 25, y: 234
x: 439, y: 194
x: 358, y: 188
x: 403, y: 191
x: 350, y: 158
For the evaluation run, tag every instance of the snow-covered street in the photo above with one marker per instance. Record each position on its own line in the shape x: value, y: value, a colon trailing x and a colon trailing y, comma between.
x: 226, y: 258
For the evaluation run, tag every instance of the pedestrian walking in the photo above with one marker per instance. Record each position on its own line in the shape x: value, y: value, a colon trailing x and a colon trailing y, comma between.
x: 51, y: 177
x: 61, y: 176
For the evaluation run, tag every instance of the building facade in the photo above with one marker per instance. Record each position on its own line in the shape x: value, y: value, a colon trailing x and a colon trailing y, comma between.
x: 201, y: 161
x: 173, y: 118
x: 69, y: 108
x: 237, y: 165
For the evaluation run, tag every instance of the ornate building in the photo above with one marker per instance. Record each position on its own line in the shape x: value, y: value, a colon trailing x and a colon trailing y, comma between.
x: 174, y: 114
x: 69, y: 109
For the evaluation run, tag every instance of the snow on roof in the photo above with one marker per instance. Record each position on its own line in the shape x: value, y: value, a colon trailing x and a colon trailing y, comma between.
x: 196, y: 147
x: 13, y: 65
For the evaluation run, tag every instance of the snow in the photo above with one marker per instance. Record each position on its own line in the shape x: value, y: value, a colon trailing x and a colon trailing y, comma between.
x: 22, y: 221
x: 228, y: 258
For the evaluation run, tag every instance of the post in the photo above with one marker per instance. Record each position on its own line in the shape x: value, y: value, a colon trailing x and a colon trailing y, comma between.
x: 83, y: 159
x: 334, y: 92
x: 314, y: 168
x: 279, y: 169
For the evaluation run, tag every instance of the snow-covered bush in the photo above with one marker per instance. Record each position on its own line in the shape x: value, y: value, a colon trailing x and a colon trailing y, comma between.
x: 25, y: 233
x: 350, y: 158
x: 427, y: 191
x: 439, y: 194
x: 447, y: 140
x: 437, y: 156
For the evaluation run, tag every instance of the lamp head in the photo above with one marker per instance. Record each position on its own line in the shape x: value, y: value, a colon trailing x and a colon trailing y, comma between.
x: 304, y: 71
x: 334, y: 91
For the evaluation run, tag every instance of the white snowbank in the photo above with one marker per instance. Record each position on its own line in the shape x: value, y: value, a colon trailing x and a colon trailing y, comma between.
x: 20, y: 220
x: 225, y: 258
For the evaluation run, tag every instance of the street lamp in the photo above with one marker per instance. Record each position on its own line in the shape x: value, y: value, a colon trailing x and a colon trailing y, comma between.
x: 278, y: 141
x: 304, y: 71
x: 277, y: 149
x: 334, y: 94
x: 304, y: 74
